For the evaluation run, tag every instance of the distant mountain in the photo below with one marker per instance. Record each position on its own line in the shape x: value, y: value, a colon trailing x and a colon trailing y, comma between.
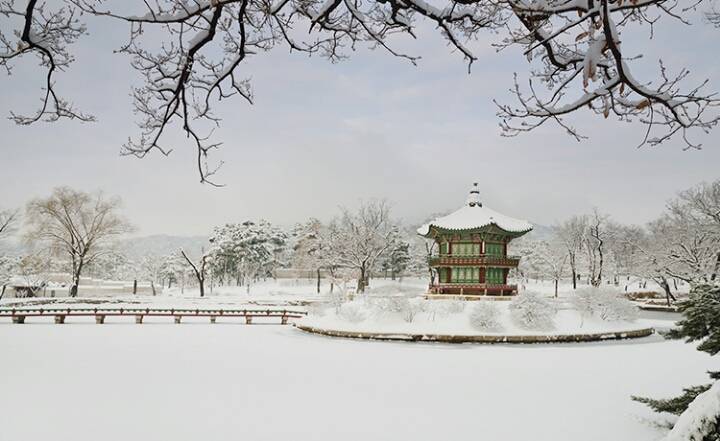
x: 540, y: 232
x: 162, y: 244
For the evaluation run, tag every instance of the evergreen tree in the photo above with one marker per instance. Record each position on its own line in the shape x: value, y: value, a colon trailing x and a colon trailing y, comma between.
x: 701, y: 323
x: 701, y: 318
x: 674, y: 405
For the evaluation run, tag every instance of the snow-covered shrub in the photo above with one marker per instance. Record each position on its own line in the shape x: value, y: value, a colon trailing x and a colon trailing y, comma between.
x: 406, y: 307
x: 531, y: 311
x: 485, y: 316
x: 700, y: 421
x: 604, y: 303
x: 617, y: 308
x: 354, y: 312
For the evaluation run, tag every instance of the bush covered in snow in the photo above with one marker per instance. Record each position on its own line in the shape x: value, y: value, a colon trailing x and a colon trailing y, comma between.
x: 700, y: 421
x: 531, y: 311
x: 485, y: 316
x: 354, y: 312
x: 413, y: 308
x: 605, y: 304
x: 407, y: 308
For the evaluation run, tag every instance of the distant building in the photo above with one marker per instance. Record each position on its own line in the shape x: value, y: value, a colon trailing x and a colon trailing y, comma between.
x: 472, y: 243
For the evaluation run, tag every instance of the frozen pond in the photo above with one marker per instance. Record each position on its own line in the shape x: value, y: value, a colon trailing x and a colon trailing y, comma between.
x: 220, y: 382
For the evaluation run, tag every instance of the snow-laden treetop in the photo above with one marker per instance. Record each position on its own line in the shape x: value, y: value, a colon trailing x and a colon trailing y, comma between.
x: 474, y: 215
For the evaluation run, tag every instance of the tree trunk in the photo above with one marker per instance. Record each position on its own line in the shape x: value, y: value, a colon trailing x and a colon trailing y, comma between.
x: 75, y: 284
x: 135, y: 287
x: 318, y: 280
x: 574, y: 277
x: 152, y: 285
x: 361, y: 280
x: 556, y: 288
x: 666, y: 287
x: 201, y: 282
x: 716, y: 269
x: 2, y: 293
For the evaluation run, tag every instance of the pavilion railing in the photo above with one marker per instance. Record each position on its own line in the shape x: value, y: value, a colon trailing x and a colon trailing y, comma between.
x: 481, y: 260
x: 458, y: 288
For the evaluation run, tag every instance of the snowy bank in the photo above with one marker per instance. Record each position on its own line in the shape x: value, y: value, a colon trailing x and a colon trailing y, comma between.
x: 522, y: 320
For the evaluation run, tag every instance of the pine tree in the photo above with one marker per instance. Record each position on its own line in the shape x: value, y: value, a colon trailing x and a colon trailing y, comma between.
x: 701, y: 323
x: 675, y: 405
x: 702, y: 318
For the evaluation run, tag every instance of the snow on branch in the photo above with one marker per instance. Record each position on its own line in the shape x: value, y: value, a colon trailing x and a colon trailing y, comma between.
x: 204, y: 44
x: 579, y: 47
x: 46, y: 34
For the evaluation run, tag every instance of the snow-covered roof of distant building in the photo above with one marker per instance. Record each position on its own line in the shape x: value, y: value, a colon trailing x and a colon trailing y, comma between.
x: 474, y: 215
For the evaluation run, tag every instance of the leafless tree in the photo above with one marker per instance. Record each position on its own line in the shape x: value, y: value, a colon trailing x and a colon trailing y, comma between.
x: 358, y: 240
x: 546, y: 259
x: 8, y: 222
x: 198, y: 269
x: 713, y: 15
x: 596, y: 240
x: 75, y: 224
x: 572, y: 233
x: 700, y: 207
x: 575, y: 45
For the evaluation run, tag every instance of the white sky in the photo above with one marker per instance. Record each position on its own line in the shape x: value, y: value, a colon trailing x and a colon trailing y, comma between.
x: 323, y: 135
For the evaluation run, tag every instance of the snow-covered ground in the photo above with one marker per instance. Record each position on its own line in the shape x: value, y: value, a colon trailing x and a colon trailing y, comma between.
x: 193, y: 381
x: 203, y: 382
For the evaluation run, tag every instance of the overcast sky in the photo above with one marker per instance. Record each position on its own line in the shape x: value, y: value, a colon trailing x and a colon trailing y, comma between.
x: 323, y: 135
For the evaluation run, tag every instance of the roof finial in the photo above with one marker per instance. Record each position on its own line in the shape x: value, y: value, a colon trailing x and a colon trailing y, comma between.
x: 474, y: 196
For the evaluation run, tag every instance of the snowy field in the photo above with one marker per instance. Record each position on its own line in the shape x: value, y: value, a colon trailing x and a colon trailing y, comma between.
x: 202, y: 382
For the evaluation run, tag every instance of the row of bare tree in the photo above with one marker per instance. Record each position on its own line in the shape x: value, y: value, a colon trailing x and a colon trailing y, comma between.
x: 683, y: 244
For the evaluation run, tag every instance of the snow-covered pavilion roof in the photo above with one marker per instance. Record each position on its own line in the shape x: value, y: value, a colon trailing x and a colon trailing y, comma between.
x: 474, y: 215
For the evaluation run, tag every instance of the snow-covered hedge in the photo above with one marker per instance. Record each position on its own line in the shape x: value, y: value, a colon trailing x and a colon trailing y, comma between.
x: 531, y: 311
x: 700, y: 421
x: 605, y: 304
x: 485, y: 316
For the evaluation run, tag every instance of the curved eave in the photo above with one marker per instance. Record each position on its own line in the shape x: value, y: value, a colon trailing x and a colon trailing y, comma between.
x: 427, y: 230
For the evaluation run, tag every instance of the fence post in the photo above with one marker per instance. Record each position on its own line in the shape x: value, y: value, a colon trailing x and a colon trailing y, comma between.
x: 59, y: 319
x: 99, y: 319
